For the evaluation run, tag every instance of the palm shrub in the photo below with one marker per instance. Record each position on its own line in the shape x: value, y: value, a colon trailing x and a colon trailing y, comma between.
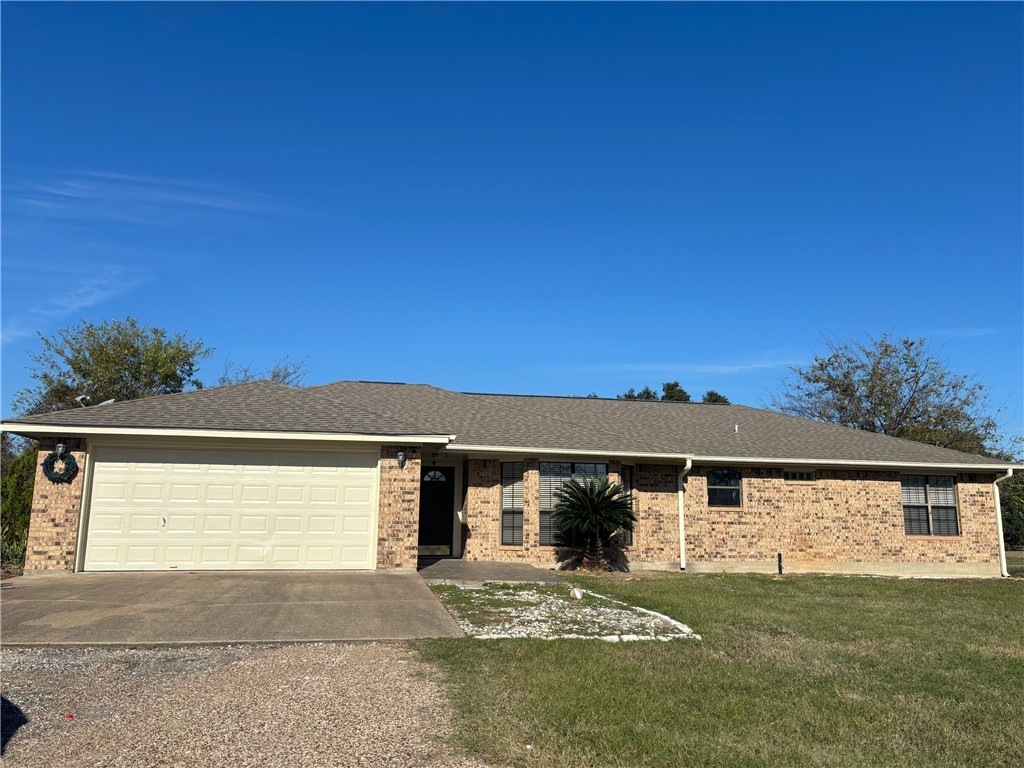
x: 590, y: 512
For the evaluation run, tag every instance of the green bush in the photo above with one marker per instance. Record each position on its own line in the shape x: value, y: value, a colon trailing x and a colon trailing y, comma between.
x: 1011, y: 494
x: 16, y: 507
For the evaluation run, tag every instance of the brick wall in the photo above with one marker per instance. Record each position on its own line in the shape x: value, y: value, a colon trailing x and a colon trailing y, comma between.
x: 853, y: 518
x: 399, y: 518
x: 56, y: 511
x: 656, y: 531
x: 657, y: 505
x: 846, y: 521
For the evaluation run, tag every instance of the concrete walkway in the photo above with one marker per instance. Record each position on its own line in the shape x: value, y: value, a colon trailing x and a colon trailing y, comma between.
x: 219, y: 607
x: 470, y: 572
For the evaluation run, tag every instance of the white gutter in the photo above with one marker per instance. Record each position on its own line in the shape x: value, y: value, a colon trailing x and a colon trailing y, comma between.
x: 999, y: 522
x: 533, y: 451
x: 680, y: 493
x: 839, y: 463
x: 71, y: 430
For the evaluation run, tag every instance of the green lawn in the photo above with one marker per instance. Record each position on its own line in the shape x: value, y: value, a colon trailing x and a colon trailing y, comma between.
x: 1015, y: 563
x: 808, y: 671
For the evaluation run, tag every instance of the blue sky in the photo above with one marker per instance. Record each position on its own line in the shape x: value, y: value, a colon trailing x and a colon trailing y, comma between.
x: 519, y: 198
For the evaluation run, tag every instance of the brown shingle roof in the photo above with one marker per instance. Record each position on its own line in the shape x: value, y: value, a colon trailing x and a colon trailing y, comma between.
x: 615, y: 427
x: 255, y: 406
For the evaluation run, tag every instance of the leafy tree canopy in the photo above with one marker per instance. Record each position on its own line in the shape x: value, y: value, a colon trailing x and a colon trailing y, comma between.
x: 118, y: 359
x: 644, y: 394
x: 671, y: 390
x: 894, y: 387
x: 16, y: 494
x: 711, y: 396
x: 1011, y: 493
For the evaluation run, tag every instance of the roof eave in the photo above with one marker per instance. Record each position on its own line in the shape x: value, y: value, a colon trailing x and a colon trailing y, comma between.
x: 853, y: 463
x: 535, y: 451
x: 42, y: 430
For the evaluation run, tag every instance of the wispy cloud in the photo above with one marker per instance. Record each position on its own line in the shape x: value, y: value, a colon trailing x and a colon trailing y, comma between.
x: 90, y: 291
x: 961, y: 333
x: 102, y: 195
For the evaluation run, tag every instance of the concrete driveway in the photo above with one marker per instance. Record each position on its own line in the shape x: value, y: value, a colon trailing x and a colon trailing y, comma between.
x: 219, y: 607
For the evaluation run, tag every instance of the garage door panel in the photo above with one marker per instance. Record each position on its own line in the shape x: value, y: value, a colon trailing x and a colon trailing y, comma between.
x: 156, y: 509
x: 184, y: 493
x: 146, y: 492
x: 219, y: 493
x: 255, y: 494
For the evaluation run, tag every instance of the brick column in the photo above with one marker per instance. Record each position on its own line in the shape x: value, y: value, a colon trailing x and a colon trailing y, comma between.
x: 56, y: 512
x: 483, y: 509
x: 531, y: 505
x: 398, y: 525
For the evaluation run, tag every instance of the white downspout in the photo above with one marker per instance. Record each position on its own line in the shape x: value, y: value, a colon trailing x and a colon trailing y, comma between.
x: 999, y: 522
x: 682, y: 527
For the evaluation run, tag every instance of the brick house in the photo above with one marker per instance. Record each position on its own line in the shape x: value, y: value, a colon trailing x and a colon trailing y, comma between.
x: 368, y: 475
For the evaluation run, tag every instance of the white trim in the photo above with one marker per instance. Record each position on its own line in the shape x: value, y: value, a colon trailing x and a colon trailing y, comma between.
x: 53, y: 429
x: 1003, y: 570
x: 522, y: 450
x: 450, y: 445
x: 761, y: 461
x: 725, y: 460
x: 84, y: 509
x: 681, y: 492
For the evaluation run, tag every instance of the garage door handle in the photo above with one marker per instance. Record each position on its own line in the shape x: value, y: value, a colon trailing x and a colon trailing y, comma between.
x: 163, y: 522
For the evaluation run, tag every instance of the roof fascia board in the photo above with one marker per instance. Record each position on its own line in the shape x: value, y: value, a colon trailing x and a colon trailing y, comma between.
x: 744, y: 460
x: 517, y: 449
x: 56, y: 429
x: 853, y: 463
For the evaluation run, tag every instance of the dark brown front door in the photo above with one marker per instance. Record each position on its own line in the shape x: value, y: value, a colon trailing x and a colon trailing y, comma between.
x: 437, y: 513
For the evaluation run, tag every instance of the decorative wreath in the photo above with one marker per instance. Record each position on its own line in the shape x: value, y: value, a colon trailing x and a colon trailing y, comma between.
x: 67, y: 474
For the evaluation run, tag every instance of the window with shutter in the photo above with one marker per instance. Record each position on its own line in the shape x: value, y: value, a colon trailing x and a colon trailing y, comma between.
x: 512, y: 504
x: 929, y: 505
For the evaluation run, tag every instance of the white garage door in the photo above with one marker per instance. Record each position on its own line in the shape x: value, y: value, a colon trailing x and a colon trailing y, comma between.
x: 185, y: 509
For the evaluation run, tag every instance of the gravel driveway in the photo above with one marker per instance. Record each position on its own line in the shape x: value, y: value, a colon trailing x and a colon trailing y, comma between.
x: 367, y: 704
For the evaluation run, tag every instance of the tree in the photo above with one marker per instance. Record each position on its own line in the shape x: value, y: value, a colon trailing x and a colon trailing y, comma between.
x: 644, y: 394
x: 671, y: 390
x: 284, y: 371
x: 16, y: 489
x: 590, y: 512
x: 118, y: 359
x: 898, y: 388
x: 1011, y: 494
x: 711, y: 396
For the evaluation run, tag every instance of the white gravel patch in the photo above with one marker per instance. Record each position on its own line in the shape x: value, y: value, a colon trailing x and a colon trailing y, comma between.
x: 338, y: 705
x: 504, y: 611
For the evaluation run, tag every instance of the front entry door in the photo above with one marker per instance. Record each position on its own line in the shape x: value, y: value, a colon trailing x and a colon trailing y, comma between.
x: 437, y: 511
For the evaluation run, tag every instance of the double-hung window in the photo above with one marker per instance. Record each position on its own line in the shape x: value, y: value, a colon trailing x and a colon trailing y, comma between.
x: 724, y: 488
x: 929, y: 505
x: 553, y: 475
x: 512, y: 504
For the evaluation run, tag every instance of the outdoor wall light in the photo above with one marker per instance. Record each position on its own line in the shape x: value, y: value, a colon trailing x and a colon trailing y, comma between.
x: 401, y: 459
